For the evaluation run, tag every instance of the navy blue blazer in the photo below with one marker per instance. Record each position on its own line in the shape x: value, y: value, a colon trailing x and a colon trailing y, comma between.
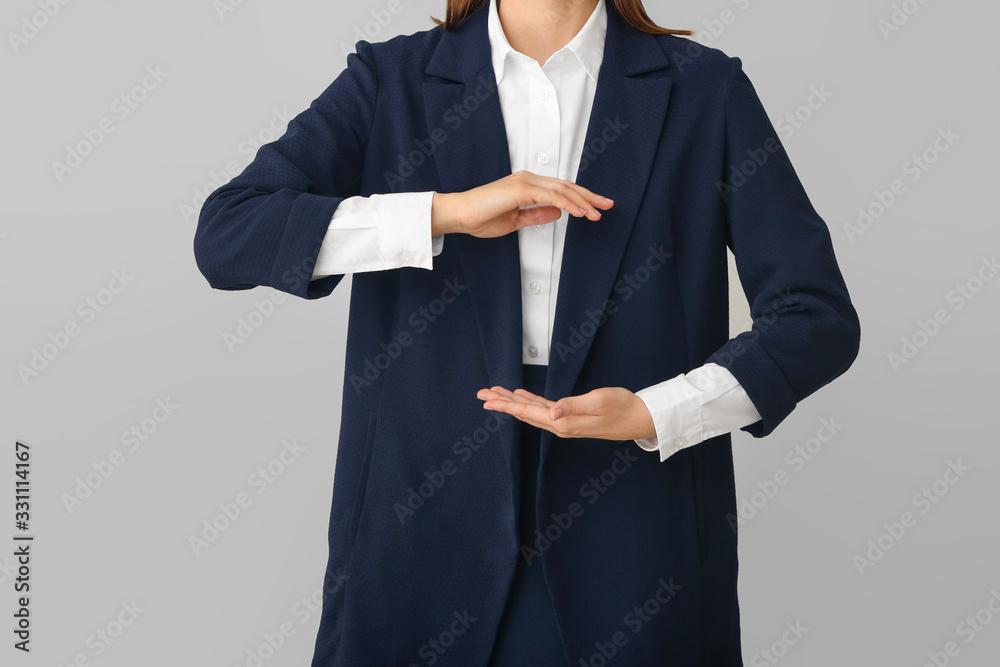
x: 641, y: 556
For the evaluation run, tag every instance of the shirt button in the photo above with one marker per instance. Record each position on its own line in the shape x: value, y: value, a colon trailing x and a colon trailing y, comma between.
x: 543, y: 158
x: 560, y: 58
x: 545, y: 95
x: 539, y: 228
x: 534, y: 287
x: 406, y: 257
x: 532, y: 351
x: 681, y: 442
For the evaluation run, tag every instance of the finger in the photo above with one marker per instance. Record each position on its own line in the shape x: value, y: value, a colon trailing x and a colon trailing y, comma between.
x: 534, y: 397
x: 554, y: 192
x: 576, y: 426
x: 596, y: 200
x: 501, y: 393
x: 498, y: 393
x: 583, y: 405
x: 532, y: 413
x: 537, y: 215
x: 574, y: 202
x: 590, y: 198
x: 529, y: 178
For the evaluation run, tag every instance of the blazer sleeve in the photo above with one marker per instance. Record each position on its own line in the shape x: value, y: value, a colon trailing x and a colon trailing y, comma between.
x: 805, y: 330
x: 266, y: 226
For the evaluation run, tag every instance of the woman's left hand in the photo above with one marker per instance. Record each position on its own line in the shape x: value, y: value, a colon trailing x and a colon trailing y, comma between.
x: 611, y: 413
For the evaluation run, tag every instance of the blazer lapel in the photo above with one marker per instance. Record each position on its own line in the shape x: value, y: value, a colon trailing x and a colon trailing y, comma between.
x: 625, y: 125
x: 624, y: 129
x: 462, y: 106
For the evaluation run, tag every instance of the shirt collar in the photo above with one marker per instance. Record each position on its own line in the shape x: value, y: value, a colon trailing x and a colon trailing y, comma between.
x: 587, y: 45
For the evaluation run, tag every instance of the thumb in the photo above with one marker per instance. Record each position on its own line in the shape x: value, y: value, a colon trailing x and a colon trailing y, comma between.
x: 536, y: 215
x: 571, y: 405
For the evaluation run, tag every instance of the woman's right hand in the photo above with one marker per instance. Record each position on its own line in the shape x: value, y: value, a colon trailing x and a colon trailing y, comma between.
x: 495, y: 209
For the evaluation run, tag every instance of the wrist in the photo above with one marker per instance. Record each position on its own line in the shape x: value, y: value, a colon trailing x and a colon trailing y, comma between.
x: 645, y: 419
x: 444, y: 214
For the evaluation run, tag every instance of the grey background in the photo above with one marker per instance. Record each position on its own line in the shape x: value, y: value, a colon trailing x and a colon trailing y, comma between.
x: 162, y: 336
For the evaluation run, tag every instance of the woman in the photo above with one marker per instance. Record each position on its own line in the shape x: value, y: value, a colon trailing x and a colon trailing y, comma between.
x: 465, y: 175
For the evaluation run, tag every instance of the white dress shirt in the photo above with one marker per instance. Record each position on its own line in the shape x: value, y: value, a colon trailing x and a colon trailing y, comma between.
x: 546, y: 110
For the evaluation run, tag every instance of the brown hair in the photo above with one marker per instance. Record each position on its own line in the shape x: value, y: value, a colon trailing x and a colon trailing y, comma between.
x: 631, y: 10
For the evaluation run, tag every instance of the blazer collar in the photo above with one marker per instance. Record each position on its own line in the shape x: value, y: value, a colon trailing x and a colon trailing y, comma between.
x: 462, y: 53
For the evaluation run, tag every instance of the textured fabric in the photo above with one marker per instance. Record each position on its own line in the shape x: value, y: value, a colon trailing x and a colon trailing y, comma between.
x: 545, y: 109
x: 423, y: 531
x: 528, y: 632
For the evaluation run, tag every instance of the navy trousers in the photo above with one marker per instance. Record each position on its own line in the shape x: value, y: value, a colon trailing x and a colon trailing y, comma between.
x: 528, y: 634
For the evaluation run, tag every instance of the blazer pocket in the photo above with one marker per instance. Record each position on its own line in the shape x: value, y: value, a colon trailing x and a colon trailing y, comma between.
x: 362, y: 484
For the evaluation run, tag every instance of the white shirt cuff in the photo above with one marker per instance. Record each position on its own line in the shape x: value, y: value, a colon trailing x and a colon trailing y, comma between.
x: 405, y: 223
x: 691, y: 408
x: 383, y: 231
x: 676, y: 414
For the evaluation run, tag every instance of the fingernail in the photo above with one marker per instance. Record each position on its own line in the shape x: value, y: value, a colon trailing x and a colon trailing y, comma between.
x: 558, y: 413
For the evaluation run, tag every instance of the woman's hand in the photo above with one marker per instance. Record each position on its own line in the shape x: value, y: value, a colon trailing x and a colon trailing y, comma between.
x: 611, y: 413
x: 495, y: 209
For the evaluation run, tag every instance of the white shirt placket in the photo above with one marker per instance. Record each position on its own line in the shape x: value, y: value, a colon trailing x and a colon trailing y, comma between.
x: 542, y: 156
